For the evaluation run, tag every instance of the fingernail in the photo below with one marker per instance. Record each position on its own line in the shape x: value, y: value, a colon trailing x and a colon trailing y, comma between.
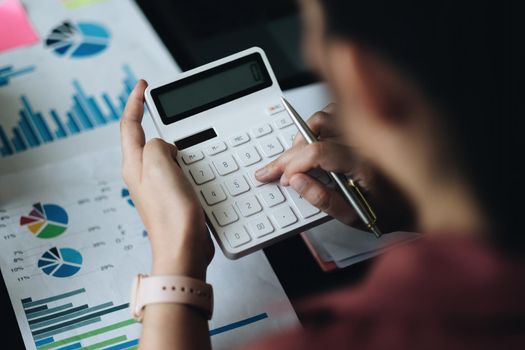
x: 261, y: 172
x: 298, y: 184
x: 284, y: 180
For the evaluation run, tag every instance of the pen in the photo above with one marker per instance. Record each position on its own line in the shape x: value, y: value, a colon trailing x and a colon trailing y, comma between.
x: 348, y: 187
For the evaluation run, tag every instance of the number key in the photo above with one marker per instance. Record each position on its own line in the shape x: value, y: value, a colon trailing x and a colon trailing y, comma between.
x: 260, y: 226
x: 271, y: 195
x: 248, y: 156
x: 225, y: 215
x: 201, y: 173
x: 225, y: 165
x: 237, y: 185
x: 213, y: 193
x: 237, y: 236
x: 248, y: 205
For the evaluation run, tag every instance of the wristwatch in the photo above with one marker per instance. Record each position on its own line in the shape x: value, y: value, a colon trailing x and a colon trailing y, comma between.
x: 170, y: 289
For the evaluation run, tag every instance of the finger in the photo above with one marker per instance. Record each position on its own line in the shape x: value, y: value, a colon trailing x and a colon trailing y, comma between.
x: 132, y: 135
x: 329, y: 201
x: 322, y: 124
x: 328, y: 156
x: 159, y: 154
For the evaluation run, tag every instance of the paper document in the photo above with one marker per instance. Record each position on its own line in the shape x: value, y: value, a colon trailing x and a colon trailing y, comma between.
x: 71, y: 244
x: 345, y: 245
x: 71, y: 238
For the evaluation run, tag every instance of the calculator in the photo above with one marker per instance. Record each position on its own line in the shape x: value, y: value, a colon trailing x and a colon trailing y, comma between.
x: 227, y: 121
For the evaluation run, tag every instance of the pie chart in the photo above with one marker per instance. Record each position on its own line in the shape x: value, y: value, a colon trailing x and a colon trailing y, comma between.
x: 78, y: 40
x: 46, y: 220
x: 126, y: 196
x: 60, y: 262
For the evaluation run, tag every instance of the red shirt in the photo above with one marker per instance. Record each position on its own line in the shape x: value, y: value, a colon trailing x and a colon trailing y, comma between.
x: 437, y: 293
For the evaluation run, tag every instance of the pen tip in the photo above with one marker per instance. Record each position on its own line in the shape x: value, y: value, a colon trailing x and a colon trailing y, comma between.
x: 376, y: 231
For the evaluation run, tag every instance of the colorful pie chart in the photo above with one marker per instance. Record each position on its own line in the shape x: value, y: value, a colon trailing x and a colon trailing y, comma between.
x: 46, y: 220
x: 60, y: 262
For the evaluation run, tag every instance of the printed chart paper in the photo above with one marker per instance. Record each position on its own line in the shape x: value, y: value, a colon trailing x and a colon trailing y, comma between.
x: 71, y: 244
x: 64, y: 96
x: 71, y: 240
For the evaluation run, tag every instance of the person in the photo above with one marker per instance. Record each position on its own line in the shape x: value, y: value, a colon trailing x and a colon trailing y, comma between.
x: 427, y: 100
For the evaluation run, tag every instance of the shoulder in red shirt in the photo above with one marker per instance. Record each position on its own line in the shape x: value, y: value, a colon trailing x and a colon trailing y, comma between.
x: 437, y: 293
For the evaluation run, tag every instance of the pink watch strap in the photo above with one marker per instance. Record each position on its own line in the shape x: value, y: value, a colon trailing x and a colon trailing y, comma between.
x: 171, y: 289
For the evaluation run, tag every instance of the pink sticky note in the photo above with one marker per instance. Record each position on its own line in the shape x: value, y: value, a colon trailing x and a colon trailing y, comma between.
x: 15, y: 28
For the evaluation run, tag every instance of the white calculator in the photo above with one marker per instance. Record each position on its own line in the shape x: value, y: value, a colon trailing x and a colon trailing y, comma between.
x: 227, y: 121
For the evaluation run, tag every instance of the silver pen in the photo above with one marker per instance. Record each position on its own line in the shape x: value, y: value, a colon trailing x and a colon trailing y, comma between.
x: 348, y: 187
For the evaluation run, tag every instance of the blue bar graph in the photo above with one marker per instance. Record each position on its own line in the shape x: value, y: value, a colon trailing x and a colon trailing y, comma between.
x: 86, y: 112
x: 45, y: 341
x: 9, y: 72
x: 60, y: 131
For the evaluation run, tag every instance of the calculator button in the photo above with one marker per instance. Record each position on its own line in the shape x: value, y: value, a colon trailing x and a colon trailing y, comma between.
x: 237, y: 140
x: 213, y: 193
x: 260, y: 226
x: 216, y: 147
x: 248, y: 156
x: 225, y: 165
x: 192, y: 157
x: 237, y: 236
x: 289, y: 136
x: 237, y: 185
x: 248, y: 205
x: 262, y: 130
x: 271, y: 195
x: 271, y: 146
x: 201, y: 173
x: 284, y: 216
x: 225, y: 215
x: 283, y: 122
x: 253, y: 180
x: 274, y: 109
x: 303, y: 206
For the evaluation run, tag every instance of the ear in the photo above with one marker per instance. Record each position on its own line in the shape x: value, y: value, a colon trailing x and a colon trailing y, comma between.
x: 375, y: 86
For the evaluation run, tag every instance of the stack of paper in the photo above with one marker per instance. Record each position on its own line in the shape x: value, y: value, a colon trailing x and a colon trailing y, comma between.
x: 336, y: 245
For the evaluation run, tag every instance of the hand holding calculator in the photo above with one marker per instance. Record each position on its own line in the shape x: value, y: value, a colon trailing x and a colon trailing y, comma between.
x: 227, y: 120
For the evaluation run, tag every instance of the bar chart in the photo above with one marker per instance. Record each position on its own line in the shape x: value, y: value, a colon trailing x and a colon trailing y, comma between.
x: 55, y: 322
x: 9, y: 72
x: 86, y: 113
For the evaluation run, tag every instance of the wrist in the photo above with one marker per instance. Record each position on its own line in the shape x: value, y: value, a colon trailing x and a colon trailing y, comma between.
x: 179, y: 266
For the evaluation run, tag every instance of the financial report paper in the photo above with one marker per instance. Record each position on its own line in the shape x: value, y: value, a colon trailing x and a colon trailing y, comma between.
x: 71, y: 239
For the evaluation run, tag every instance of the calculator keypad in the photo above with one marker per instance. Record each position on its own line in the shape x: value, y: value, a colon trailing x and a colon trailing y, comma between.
x: 243, y: 210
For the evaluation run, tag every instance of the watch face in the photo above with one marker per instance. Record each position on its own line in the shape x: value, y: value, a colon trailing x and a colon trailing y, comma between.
x: 136, y: 311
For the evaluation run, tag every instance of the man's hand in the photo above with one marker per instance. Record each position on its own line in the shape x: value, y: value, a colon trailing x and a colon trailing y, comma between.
x: 163, y: 197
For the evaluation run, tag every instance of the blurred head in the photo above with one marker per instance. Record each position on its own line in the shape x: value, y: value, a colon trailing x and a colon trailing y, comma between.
x: 425, y: 92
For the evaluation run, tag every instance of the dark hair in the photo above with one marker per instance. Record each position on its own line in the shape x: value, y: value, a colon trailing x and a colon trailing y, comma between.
x: 467, y: 57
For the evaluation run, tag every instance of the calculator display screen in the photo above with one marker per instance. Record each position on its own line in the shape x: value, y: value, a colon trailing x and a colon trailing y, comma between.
x: 211, y: 88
